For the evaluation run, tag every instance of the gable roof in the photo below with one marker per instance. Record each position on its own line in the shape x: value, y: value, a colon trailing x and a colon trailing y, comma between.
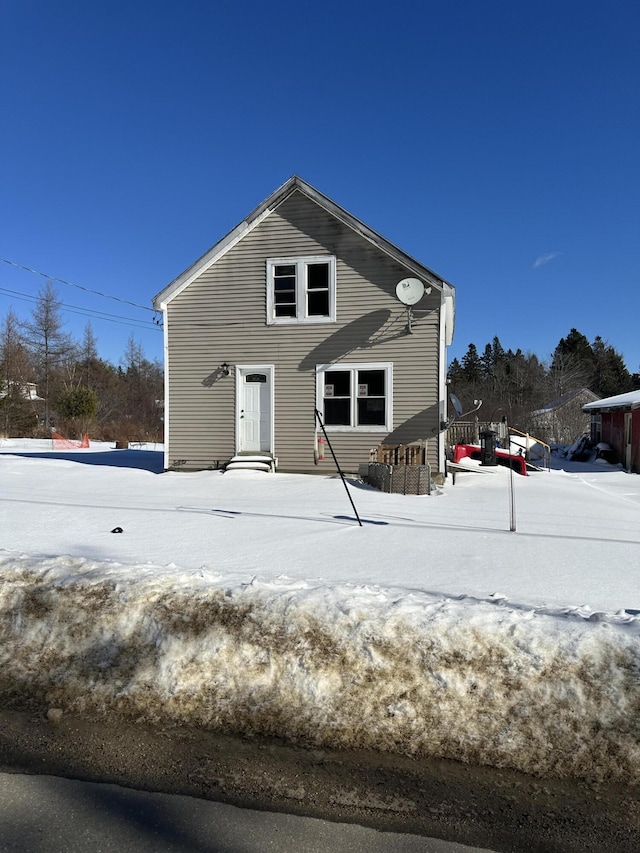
x: 565, y: 398
x: 621, y: 401
x: 295, y: 183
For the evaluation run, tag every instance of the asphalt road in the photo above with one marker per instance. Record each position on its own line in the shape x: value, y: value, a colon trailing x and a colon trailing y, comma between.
x: 208, y: 791
x: 48, y: 814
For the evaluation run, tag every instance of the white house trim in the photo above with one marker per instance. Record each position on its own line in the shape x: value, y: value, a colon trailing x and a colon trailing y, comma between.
x: 240, y: 371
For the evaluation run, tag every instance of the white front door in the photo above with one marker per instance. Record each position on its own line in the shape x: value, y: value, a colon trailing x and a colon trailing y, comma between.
x: 255, y: 406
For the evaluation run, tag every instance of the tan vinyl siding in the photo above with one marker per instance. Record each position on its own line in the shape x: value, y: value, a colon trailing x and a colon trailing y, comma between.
x: 221, y: 316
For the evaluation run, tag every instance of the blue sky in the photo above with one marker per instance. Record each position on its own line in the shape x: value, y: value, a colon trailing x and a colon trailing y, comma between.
x: 496, y: 142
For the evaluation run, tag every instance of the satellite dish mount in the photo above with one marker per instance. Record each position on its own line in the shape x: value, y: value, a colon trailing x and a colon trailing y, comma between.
x: 410, y: 291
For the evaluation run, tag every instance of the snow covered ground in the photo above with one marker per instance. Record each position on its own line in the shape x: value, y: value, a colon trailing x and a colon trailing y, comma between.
x: 255, y: 602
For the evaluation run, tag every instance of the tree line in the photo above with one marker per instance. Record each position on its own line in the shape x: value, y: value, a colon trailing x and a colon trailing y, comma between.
x: 513, y: 385
x: 49, y: 381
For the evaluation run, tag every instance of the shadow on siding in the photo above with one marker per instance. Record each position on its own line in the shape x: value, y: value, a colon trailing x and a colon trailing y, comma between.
x: 359, y: 334
x: 421, y: 426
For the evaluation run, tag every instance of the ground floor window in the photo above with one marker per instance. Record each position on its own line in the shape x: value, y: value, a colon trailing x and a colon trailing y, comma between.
x: 355, y: 396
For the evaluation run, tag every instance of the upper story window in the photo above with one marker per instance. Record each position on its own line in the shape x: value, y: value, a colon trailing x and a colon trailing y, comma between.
x: 301, y: 290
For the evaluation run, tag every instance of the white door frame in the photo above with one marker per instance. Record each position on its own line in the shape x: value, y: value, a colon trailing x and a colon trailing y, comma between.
x: 241, y: 371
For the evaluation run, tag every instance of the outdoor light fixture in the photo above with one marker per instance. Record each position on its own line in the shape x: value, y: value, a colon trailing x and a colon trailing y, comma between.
x: 224, y: 367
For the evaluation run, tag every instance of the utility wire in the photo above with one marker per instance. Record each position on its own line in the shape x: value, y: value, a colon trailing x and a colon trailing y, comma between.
x: 79, y: 286
x: 89, y: 312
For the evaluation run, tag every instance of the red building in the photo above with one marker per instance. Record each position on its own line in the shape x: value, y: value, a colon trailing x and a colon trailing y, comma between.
x: 616, y: 421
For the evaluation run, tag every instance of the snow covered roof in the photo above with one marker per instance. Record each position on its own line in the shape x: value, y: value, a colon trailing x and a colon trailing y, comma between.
x: 565, y: 398
x: 620, y: 401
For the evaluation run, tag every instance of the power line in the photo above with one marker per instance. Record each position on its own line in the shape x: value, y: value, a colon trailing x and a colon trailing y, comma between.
x: 79, y: 286
x: 89, y: 312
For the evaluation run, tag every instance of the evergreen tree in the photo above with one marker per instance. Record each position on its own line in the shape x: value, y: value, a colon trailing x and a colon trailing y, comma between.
x: 497, y: 351
x: 471, y: 365
x: 455, y: 372
x: 17, y: 410
x: 611, y: 375
x: 471, y: 378
x: 577, y: 346
x: 486, y: 360
x: 501, y: 370
x: 143, y: 388
x: 572, y: 365
x: 78, y: 406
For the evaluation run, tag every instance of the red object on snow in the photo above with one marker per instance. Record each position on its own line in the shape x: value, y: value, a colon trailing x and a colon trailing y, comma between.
x: 503, y: 457
x: 62, y: 443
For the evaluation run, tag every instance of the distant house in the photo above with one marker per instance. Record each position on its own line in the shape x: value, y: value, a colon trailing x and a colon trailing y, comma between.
x: 302, y: 307
x: 563, y: 420
x: 20, y: 407
x: 23, y: 390
x: 616, y: 421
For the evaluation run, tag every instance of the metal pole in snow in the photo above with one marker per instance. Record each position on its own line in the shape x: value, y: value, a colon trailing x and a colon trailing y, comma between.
x: 344, y: 482
x: 512, y: 502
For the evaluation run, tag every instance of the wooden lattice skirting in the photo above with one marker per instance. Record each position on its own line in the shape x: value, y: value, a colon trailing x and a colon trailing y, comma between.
x: 400, y: 479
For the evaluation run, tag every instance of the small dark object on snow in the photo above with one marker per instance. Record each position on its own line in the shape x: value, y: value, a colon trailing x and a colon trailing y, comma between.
x: 580, y: 450
x: 117, y: 530
x: 606, y: 452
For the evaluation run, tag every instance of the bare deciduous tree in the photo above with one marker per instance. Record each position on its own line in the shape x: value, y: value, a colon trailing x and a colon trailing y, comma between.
x: 48, y: 343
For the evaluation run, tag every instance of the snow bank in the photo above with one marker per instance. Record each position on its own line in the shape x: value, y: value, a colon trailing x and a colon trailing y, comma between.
x: 542, y: 690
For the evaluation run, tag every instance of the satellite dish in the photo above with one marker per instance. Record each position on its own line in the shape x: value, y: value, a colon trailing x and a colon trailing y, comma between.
x: 409, y: 291
x: 456, y: 405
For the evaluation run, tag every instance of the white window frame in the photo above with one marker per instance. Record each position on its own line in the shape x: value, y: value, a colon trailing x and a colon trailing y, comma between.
x: 300, y: 264
x: 387, y: 366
